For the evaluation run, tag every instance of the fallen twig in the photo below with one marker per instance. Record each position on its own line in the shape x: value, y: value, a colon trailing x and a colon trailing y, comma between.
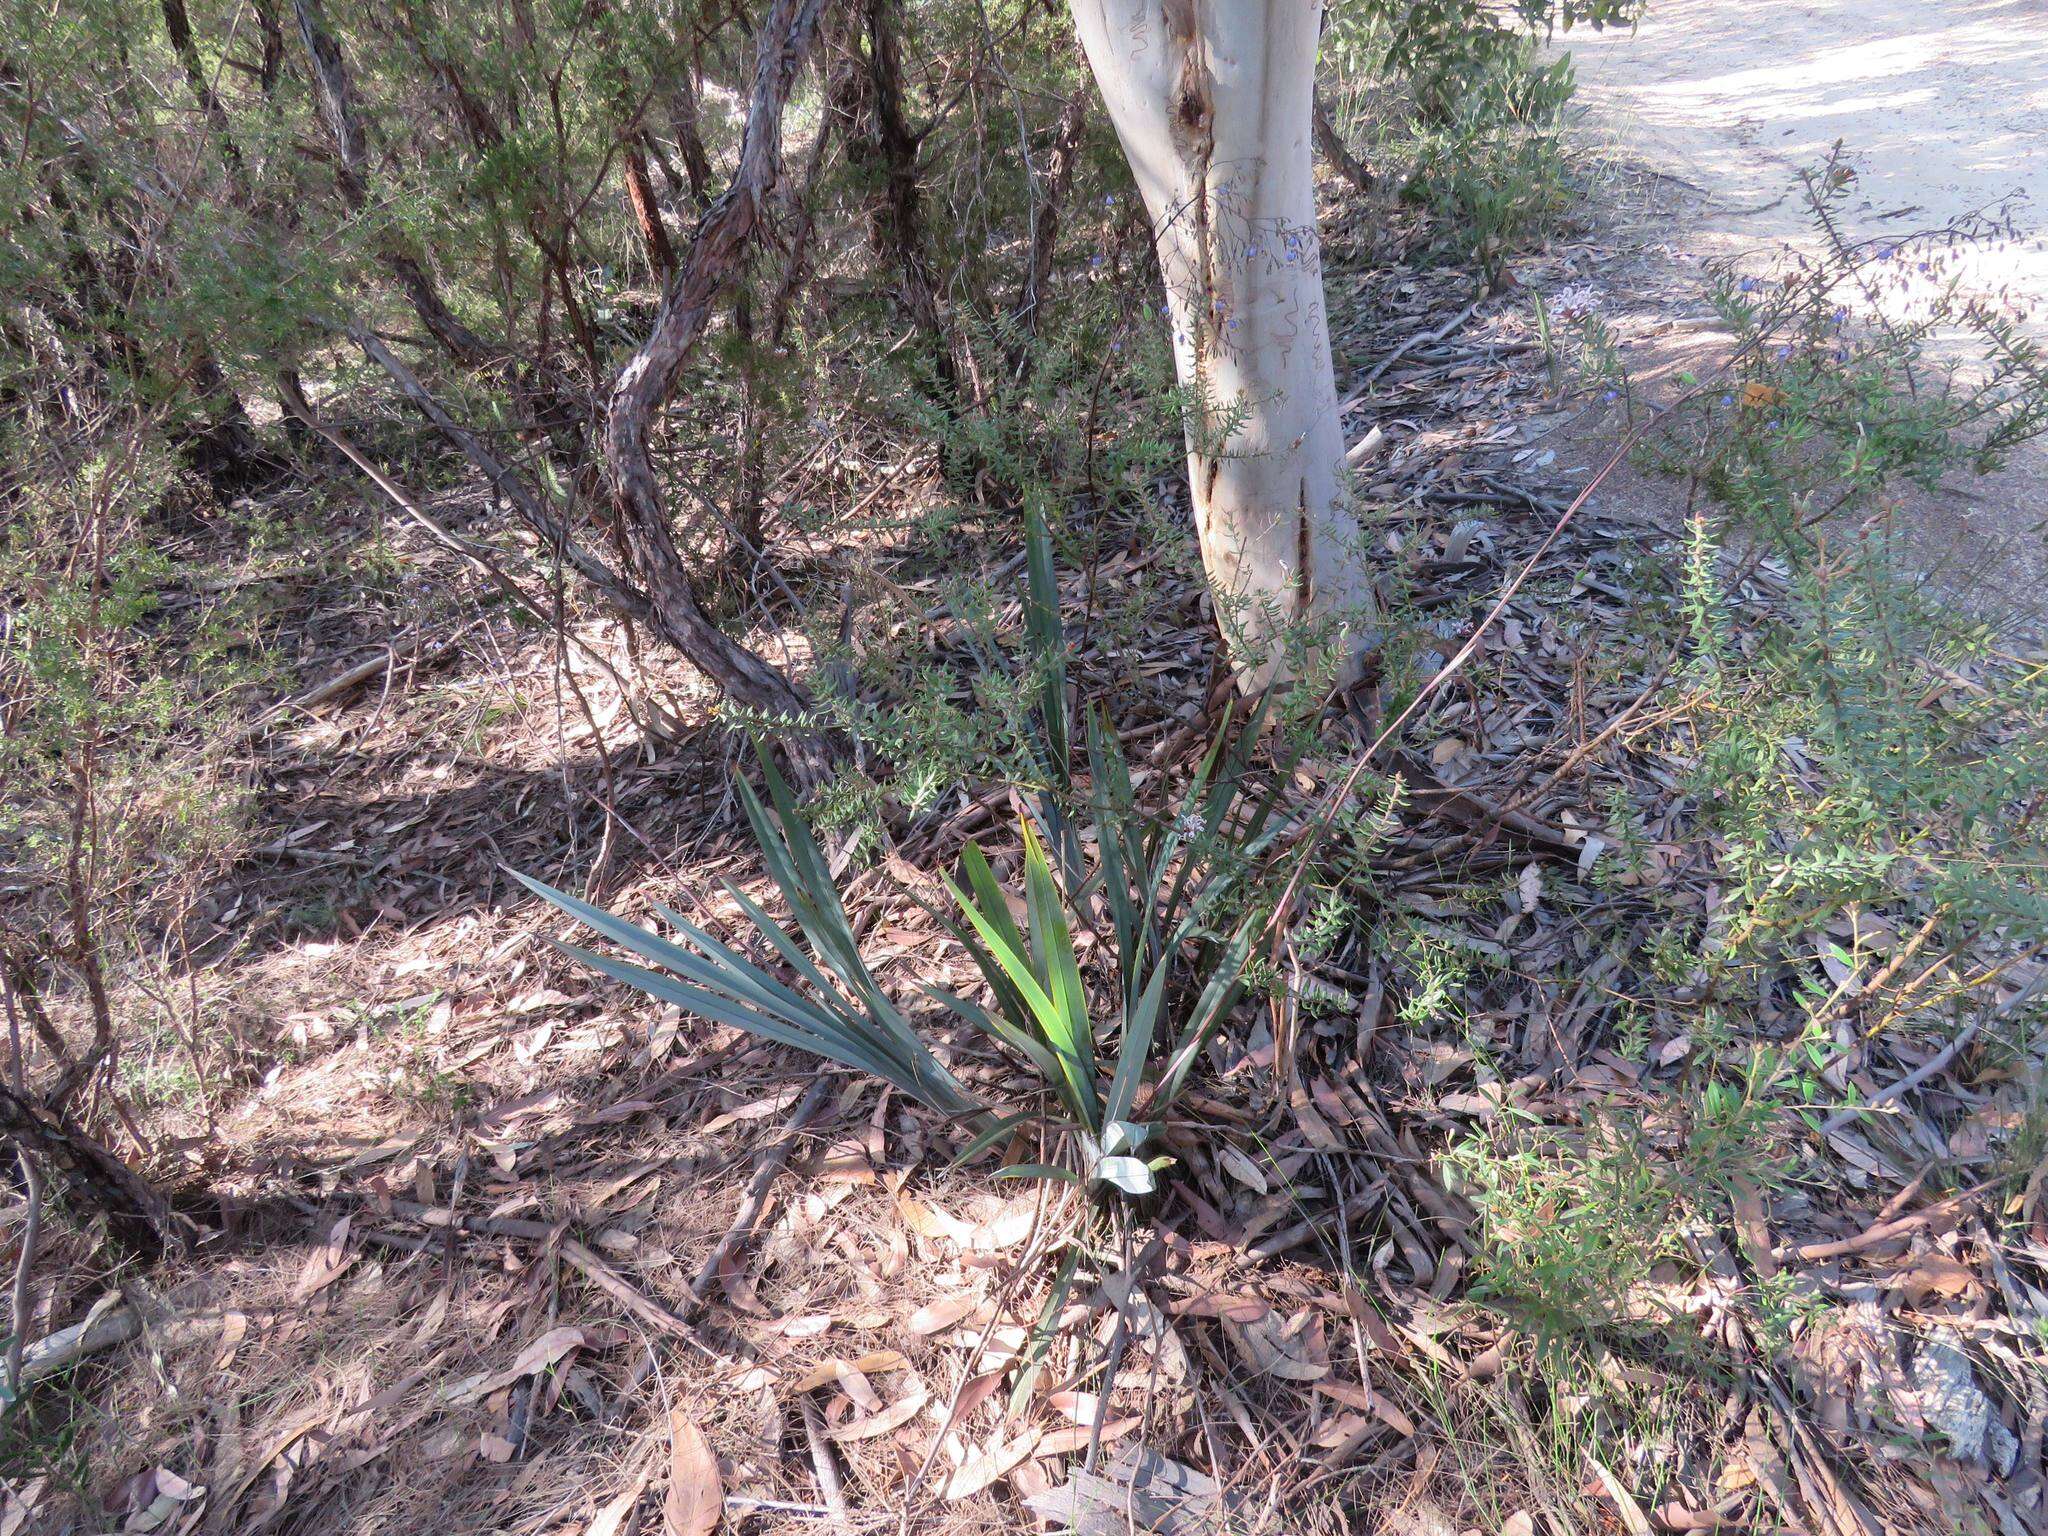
x: 765, y: 1172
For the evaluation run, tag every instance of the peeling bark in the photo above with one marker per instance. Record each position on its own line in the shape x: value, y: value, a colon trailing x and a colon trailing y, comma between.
x: 1212, y: 101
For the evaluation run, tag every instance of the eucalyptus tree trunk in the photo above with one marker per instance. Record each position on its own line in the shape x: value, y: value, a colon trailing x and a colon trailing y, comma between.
x: 1212, y: 101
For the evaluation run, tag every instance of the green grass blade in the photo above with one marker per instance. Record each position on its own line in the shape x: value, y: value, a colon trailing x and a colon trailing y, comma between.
x: 994, y: 1132
x: 821, y: 1036
x: 1003, y: 1029
x: 1038, y: 1171
x: 1043, y: 1333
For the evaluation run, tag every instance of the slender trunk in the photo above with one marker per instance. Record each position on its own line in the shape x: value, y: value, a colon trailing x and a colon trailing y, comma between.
x: 683, y: 127
x: 271, y: 30
x: 1330, y: 144
x: 1211, y: 100
x: 902, y: 220
x: 646, y: 381
x: 749, y: 510
x: 661, y: 255
x: 340, y: 113
x: 178, y: 26
x: 228, y: 443
x: 1059, y: 178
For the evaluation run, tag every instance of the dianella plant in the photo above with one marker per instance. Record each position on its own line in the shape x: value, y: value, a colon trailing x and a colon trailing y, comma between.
x: 1113, y: 1043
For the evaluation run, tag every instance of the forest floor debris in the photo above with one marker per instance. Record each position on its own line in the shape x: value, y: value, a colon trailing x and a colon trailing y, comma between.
x: 568, y: 1263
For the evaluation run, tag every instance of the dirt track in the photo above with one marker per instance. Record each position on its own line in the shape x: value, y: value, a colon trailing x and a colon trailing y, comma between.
x: 1941, y: 108
x: 1941, y: 105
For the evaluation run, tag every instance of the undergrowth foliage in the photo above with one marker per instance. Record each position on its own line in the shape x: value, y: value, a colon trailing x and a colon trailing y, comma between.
x: 1868, y: 771
x: 1849, y: 870
x: 1167, y: 891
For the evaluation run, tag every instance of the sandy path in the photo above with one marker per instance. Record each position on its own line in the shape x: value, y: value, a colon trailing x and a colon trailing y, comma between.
x: 1942, y: 110
x: 1942, y: 106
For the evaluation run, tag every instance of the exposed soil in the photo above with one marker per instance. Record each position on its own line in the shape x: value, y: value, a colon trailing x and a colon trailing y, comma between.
x: 1713, y: 107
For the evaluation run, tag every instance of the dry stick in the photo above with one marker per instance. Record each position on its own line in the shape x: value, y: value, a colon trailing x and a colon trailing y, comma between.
x: 1934, y: 1063
x: 829, y: 1484
x: 539, y: 518
x: 1032, y: 1251
x: 1586, y: 749
x: 340, y: 683
x: 1417, y: 340
x: 32, y: 1229
x: 593, y: 1268
x: 111, y: 1321
x: 32, y: 1183
x: 765, y: 1172
x: 467, y: 549
x: 1883, y: 1231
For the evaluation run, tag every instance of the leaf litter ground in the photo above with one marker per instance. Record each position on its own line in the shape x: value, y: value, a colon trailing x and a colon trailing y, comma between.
x: 509, y: 1250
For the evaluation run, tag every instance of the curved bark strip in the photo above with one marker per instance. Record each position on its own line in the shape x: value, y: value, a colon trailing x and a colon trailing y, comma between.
x: 645, y: 382
x: 1212, y: 103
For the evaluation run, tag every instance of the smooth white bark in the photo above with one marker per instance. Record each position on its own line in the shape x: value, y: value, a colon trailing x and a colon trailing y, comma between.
x: 1212, y: 102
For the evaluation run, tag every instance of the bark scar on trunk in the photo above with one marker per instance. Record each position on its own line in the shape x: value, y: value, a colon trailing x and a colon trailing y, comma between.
x: 1192, y: 128
x: 1304, y: 555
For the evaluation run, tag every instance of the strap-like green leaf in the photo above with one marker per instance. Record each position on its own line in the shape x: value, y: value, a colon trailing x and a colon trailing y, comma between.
x: 1136, y: 1046
x: 1038, y: 1171
x: 1224, y: 983
x: 994, y: 1132
x: 1071, y: 1031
